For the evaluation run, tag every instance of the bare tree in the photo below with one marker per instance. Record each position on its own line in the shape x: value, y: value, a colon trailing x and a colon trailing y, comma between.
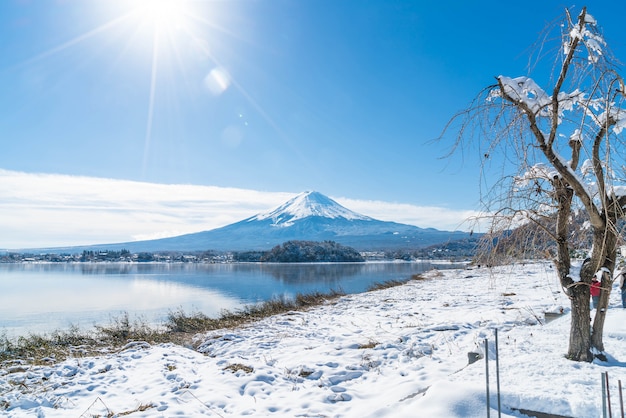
x: 559, y: 151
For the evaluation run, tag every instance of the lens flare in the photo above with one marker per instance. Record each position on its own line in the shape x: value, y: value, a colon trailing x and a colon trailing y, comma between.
x: 217, y: 81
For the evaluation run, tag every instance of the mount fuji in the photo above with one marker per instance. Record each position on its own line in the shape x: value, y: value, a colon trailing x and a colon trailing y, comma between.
x: 310, y: 216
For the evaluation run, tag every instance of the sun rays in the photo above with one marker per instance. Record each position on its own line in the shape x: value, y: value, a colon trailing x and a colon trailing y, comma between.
x: 165, y: 20
x: 163, y: 53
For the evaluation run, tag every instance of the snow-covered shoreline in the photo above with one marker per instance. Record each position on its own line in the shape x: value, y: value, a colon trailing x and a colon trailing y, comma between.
x: 397, y: 352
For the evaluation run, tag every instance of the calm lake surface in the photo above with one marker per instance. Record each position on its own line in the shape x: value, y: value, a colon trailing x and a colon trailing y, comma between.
x: 42, y: 297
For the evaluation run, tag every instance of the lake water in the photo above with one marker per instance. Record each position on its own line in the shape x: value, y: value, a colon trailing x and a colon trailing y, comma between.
x: 43, y: 297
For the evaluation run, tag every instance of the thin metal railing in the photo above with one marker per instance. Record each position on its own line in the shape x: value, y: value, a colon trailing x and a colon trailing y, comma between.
x: 497, y: 376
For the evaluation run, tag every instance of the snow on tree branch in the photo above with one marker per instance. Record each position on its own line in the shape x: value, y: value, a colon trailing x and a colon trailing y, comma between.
x: 614, y: 116
x: 584, y: 33
x: 525, y: 90
x: 538, y: 171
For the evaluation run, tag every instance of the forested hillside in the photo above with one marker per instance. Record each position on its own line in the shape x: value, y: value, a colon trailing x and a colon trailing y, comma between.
x: 303, y: 252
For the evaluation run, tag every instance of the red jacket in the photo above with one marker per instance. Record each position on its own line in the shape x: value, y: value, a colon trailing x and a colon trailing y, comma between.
x: 595, y: 288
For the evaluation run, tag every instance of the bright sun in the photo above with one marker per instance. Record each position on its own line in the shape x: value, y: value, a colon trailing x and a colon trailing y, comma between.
x: 163, y: 15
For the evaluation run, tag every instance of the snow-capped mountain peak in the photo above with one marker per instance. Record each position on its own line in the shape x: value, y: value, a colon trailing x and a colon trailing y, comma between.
x: 308, y: 204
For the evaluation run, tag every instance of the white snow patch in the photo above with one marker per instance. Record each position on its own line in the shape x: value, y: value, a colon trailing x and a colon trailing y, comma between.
x: 398, y: 352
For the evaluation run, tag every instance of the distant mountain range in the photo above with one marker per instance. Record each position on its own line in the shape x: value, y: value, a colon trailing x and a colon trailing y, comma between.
x: 309, y: 216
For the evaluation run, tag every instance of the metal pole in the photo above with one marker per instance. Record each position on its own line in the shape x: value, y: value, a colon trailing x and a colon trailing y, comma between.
x: 621, y: 398
x: 498, y: 374
x: 603, y: 396
x: 487, y: 375
x: 608, y: 394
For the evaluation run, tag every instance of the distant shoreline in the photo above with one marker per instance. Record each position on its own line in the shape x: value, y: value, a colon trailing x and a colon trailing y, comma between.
x: 387, y: 261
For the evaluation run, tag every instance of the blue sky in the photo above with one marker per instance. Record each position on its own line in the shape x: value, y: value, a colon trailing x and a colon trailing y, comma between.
x: 274, y: 96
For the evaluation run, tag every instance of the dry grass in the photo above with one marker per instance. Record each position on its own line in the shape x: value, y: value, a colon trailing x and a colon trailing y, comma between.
x: 235, y: 367
x: 369, y: 344
x: 394, y: 283
x: 59, y: 345
x: 385, y: 285
x: 140, y: 408
x: 179, y: 328
x: 109, y: 413
x: 179, y: 322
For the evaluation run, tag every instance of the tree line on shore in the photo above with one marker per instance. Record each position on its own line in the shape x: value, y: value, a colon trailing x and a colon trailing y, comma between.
x: 290, y: 251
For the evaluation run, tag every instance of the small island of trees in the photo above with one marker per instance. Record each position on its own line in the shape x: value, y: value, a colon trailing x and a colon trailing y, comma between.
x: 303, y: 252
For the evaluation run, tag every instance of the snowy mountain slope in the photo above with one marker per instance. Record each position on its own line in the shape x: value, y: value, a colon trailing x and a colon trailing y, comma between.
x: 309, y: 216
x: 304, y: 205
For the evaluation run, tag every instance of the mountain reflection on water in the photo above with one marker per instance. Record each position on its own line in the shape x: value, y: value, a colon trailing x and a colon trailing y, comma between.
x: 307, y: 273
x: 287, y: 273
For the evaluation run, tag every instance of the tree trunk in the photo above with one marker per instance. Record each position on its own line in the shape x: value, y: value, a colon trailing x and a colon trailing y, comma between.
x: 607, y: 248
x: 563, y: 196
x: 578, y: 291
x: 580, y: 333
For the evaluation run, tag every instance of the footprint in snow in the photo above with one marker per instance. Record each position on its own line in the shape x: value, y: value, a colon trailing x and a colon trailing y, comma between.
x: 338, y: 397
x: 344, y: 377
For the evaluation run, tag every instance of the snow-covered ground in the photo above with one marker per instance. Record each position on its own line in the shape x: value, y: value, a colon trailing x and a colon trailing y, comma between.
x: 398, y: 352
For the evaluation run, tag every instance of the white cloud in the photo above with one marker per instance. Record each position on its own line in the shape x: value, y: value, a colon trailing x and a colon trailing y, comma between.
x: 50, y: 210
x: 422, y: 216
